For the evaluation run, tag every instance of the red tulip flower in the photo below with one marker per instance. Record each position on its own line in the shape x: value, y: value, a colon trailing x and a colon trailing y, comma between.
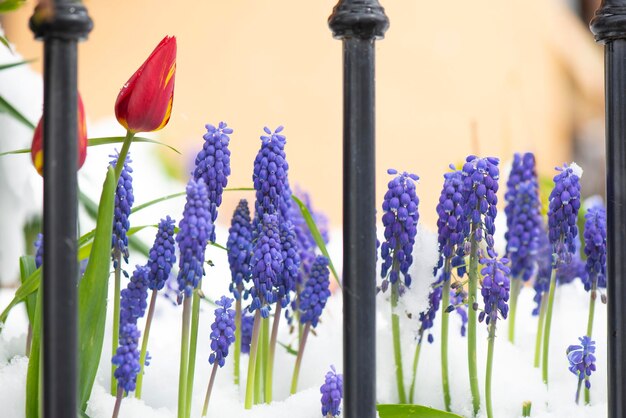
x: 145, y: 102
x: 36, y: 149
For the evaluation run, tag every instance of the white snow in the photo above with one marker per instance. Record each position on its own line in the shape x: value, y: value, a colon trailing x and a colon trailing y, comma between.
x: 578, y: 170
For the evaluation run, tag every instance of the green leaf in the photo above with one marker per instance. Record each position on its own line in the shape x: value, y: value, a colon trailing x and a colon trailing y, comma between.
x: 92, y: 142
x: 6, y: 107
x: 10, y: 5
x: 412, y: 411
x: 6, y: 43
x: 119, y: 139
x: 27, y: 267
x: 90, y: 206
x: 33, y: 377
x: 288, y: 348
x: 317, y: 236
x: 28, y: 286
x: 13, y: 64
x: 92, y: 293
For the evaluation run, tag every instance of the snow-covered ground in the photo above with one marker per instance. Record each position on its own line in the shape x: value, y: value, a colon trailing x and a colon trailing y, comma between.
x: 515, y: 380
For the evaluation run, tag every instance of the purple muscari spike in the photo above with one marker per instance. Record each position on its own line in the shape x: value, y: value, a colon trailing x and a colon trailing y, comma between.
x: 400, y: 207
x: 332, y: 393
x: 563, y: 213
x: 39, y: 250
x: 544, y: 269
x: 575, y: 269
x: 315, y: 293
x: 266, y: 264
x: 213, y: 166
x: 247, y: 322
x: 124, y: 200
x: 427, y: 317
x: 523, y: 170
x: 457, y: 300
x: 194, y: 231
x: 162, y: 255
x: 450, y: 221
x: 239, y: 246
x: 286, y: 282
x: 495, y: 288
x: 582, y: 359
x: 480, y: 185
x: 126, y: 357
x: 222, y: 331
x: 524, y: 225
x: 270, y: 179
x: 595, y: 247
x: 134, y: 298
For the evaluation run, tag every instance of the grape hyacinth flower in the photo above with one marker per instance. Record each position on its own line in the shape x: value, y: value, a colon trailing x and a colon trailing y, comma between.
x: 247, y: 321
x: 39, y: 250
x: 194, y: 231
x: 312, y: 302
x: 457, y: 302
x: 161, y: 258
x: 571, y: 271
x: 213, y: 166
x: 222, y: 336
x: 126, y: 357
x: 480, y: 185
x: 582, y: 361
x: 239, y: 247
x: 332, y: 393
x: 524, y: 225
x: 495, y: 292
x: 400, y: 217
x: 562, y: 232
x: 273, y: 194
x: 134, y: 299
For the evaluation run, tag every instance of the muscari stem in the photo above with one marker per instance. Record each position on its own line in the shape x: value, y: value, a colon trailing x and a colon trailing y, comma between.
x: 117, y: 256
x: 144, y: 343
x: 540, y: 325
x: 397, y: 348
x: 471, y: 321
x: 184, y: 357
x: 118, y: 401
x: 254, y: 345
x: 270, y: 355
x: 296, y: 368
x: 209, y: 389
x: 445, y: 316
x: 193, y: 345
x: 492, y: 340
x: 516, y: 287
x: 237, y: 350
x: 592, y: 305
x: 546, y: 332
x: 578, y: 387
x: 261, y: 364
x: 416, y: 358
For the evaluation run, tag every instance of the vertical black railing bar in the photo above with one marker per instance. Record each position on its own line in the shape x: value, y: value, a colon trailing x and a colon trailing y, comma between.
x: 60, y: 24
x: 359, y: 23
x: 609, y: 27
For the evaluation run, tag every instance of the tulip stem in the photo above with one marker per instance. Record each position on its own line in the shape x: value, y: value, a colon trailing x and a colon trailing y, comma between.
x: 144, y: 344
x: 123, y: 153
x: 546, y: 332
x: 117, y: 261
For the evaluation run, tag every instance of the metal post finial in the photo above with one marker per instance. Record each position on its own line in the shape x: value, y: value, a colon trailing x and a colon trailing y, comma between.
x: 609, y: 22
x: 364, y: 19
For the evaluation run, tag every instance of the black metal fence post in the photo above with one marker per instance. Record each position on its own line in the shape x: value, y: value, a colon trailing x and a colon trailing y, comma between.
x: 60, y: 24
x: 359, y: 23
x: 609, y: 27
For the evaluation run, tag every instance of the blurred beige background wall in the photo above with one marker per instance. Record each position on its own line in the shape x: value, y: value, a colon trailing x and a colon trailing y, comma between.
x: 526, y: 72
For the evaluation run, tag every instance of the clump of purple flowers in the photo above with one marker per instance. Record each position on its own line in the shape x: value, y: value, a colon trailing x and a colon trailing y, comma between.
x: 495, y: 289
x: 595, y: 247
x: 247, y: 322
x: 39, y: 250
x: 524, y: 225
x: 222, y: 331
x: 480, y: 185
x: 239, y: 246
x: 562, y: 214
x: 427, y: 317
x: 195, y: 229
x: 315, y: 293
x: 162, y: 255
x: 271, y: 183
x: 451, y: 221
x: 582, y: 361
x: 457, y: 302
x: 332, y: 393
x: 124, y: 200
x: 266, y: 264
x: 286, y: 282
x: 134, y: 297
x: 126, y: 357
x: 213, y: 166
x: 400, y: 217
x: 544, y: 270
